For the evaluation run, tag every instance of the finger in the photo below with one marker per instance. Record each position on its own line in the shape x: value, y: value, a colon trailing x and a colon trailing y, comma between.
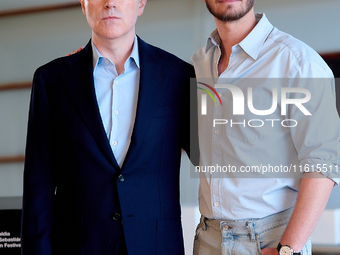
x: 269, y: 251
x: 265, y: 251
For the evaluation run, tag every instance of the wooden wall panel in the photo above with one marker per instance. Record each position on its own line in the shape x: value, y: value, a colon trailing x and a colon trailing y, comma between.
x: 38, y: 9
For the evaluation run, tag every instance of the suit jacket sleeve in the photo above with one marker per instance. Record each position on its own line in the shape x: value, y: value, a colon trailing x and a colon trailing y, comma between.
x: 189, y: 128
x: 38, y: 184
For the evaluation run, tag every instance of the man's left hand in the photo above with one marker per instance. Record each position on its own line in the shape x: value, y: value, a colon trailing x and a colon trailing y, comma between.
x: 75, y: 51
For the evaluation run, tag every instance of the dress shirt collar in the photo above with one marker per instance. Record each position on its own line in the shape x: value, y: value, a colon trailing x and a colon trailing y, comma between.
x: 100, y: 59
x: 254, y: 41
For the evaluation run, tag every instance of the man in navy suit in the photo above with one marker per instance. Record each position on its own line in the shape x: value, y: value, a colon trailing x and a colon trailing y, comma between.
x: 105, y: 132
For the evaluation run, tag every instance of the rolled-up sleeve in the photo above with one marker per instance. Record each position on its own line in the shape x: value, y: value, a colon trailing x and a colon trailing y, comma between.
x: 316, y: 136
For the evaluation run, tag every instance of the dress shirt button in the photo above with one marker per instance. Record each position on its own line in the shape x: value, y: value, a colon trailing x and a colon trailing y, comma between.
x: 121, y: 178
x: 116, y: 112
x: 116, y: 217
x: 217, y: 131
x: 107, y: 61
x: 116, y: 82
x: 216, y: 204
x: 114, y: 143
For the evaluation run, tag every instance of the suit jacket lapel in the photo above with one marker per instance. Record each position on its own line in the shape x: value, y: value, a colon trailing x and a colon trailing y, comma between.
x: 78, y: 80
x: 152, y: 82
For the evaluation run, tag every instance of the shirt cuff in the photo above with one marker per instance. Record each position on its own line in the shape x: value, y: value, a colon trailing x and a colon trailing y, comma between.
x: 326, y: 168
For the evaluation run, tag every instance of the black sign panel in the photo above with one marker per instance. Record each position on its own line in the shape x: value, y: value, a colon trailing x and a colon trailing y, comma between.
x: 10, y: 224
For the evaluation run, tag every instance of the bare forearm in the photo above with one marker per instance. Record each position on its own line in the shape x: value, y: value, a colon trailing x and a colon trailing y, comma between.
x: 312, y: 199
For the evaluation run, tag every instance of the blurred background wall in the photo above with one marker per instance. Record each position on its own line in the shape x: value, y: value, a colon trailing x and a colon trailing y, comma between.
x: 179, y: 26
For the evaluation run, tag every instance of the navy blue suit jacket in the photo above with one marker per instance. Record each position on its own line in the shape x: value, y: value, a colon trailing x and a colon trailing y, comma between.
x: 72, y: 193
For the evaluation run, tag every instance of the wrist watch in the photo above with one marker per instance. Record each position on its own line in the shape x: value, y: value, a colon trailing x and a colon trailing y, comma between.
x: 286, y: 250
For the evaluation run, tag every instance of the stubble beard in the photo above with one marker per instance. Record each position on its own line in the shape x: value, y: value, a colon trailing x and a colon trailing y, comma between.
x: 226, y: 17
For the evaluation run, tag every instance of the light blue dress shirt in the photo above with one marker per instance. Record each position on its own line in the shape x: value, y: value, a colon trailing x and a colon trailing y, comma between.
x: 266, y: 59
x: 117, y: 97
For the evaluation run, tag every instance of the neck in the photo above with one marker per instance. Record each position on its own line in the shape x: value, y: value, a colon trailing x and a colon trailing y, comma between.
x: 117, y: 50
x: 233, y: 32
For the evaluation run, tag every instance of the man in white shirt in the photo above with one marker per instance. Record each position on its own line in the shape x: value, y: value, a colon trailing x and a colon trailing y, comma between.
x: 279, y: 155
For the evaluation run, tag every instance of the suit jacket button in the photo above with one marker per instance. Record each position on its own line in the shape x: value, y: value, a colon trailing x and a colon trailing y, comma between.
x: 121, y: 178
x: 116, y: 217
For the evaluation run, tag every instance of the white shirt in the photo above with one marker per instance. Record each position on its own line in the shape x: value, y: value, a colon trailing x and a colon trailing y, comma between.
x: 117, y: 98
x: 267, y: 58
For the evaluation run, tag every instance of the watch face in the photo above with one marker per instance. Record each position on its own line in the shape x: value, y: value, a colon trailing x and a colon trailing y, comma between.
x: 285, y: 250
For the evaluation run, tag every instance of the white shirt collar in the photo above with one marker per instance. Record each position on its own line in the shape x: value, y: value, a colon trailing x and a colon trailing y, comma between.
x: 252, y: 44
x: 133, y: 56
